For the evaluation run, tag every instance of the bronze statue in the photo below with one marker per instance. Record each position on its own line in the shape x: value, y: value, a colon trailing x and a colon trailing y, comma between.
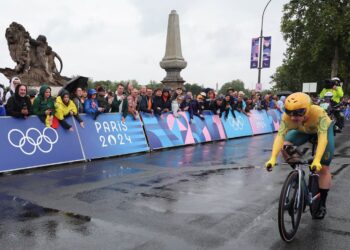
x: 34, y: 58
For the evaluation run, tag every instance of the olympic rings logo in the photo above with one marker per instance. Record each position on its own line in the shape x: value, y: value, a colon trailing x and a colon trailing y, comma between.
x: 34, y: 138
x: 237, y: 123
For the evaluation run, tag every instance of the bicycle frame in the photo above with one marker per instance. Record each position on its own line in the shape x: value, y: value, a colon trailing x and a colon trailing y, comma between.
x: 303, y: 185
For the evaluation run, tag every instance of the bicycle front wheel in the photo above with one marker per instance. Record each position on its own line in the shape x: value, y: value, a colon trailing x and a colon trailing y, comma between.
x: 290, y: 207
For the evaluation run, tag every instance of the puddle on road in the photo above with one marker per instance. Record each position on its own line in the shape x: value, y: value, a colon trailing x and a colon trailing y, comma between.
x: 21, y: 218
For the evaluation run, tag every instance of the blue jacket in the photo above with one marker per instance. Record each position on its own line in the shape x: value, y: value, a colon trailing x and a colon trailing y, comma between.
x: 88, y: 106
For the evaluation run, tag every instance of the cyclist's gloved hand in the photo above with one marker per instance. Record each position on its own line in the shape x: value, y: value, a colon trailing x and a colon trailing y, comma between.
x: 316, y: 165
x: 270, y: 164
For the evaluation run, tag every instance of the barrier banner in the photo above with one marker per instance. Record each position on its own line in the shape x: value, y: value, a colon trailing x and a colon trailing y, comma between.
x: 236, y: 127
x: 209, y: 129
x: 28, y: 144
x: 167, y: 131
x: 108, y: 136
x: 275, y: 118
x: 259, y: 122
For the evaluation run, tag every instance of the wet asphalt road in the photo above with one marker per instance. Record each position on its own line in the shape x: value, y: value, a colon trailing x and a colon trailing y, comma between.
x: 210, y: 196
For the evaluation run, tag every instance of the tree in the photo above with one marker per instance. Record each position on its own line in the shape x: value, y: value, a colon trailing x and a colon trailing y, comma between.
x: 317, y: 36
x: 237, y: 85
x: 155, y: 85
x: 194, y: 88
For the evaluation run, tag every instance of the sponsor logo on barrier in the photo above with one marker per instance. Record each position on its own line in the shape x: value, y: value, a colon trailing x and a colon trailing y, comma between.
x: 237, y: 124
x: 35, y: 138
x: 260, y: 122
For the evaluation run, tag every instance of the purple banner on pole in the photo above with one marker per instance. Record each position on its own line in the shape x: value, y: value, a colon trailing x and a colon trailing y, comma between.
x: 254, y: 56
x: 267, y: 52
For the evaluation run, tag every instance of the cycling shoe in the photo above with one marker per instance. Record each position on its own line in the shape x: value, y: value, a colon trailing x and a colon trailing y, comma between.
x: 321, y: 213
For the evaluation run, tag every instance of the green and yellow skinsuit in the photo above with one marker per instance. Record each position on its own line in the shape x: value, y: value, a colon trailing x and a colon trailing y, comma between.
x: 317, y: 122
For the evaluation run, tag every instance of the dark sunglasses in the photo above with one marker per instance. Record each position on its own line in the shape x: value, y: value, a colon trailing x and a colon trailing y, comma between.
x: 297, y: 112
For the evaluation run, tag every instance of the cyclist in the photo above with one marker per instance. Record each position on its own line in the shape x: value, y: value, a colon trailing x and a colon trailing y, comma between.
x: 301, y: 121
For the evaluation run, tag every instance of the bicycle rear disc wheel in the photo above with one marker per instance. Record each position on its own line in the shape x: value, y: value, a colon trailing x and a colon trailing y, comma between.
x: 290, y: 207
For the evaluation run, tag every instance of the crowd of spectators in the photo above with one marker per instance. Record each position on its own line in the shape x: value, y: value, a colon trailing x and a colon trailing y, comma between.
x: 127, y: 100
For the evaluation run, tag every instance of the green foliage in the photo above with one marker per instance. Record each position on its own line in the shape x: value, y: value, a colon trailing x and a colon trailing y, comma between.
x: 237, y: 85
x: 111, y: 86
x: 194, y: 88
x: 155, y: 85
x: 317, y: 35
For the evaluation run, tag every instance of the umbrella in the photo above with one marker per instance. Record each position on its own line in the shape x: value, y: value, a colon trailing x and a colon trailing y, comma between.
x: 74, y: 83
x: 285, y: 93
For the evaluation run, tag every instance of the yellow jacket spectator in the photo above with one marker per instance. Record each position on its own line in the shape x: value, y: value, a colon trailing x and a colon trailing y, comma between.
x: 64, y: 108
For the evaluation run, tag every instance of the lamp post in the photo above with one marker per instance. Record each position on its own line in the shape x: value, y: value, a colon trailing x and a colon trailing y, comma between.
x: 261, y: 39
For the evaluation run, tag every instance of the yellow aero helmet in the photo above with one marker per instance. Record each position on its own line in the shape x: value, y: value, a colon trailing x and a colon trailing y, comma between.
x: 297, y: 104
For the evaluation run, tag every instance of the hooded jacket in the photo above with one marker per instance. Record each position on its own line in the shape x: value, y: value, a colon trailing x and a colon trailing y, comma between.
x: 40, y: 105
x: 16, y: 103
x: 63, y: 109
x: 12, y: 89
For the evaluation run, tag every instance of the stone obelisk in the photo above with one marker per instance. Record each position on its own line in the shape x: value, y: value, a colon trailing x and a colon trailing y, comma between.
x: 173, y: 61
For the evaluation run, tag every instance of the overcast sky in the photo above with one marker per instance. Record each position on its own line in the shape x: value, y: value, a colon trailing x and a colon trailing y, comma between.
x: 125, y: 39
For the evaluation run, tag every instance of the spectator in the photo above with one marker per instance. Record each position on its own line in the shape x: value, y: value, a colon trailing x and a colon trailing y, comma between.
x: 218, y: 107
x: 84, y: 96
x: 241, y: 98
x: 77, y: 100
x: 91, y: 106
x: 2, y: 99
x: 132, y: 104
x: 120, y: 103
x: 157, y: 102
x: 44, y: 105
x: 257, y: 101
x: 101, y: 99
x: 210, y: 99
x: 19, y: 104
x: 280, y: 104
x: 110, y: 98
x: 2, y: 94
x: 250, y: 105
x: 273, y: 102
x: 65, y: 108
x: 175, y: 105
x: 240, y: 106
x: 129, y: 88
x: 187, y: 105
x: 189, y: 93
x: 265, y: 103
x: 166, y: 102
x: 198, y: 106
x: 179, y: 91
x: 140, y: 96
x: 13, y: 83
x: 228, y: 106
x: 146, y: 104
